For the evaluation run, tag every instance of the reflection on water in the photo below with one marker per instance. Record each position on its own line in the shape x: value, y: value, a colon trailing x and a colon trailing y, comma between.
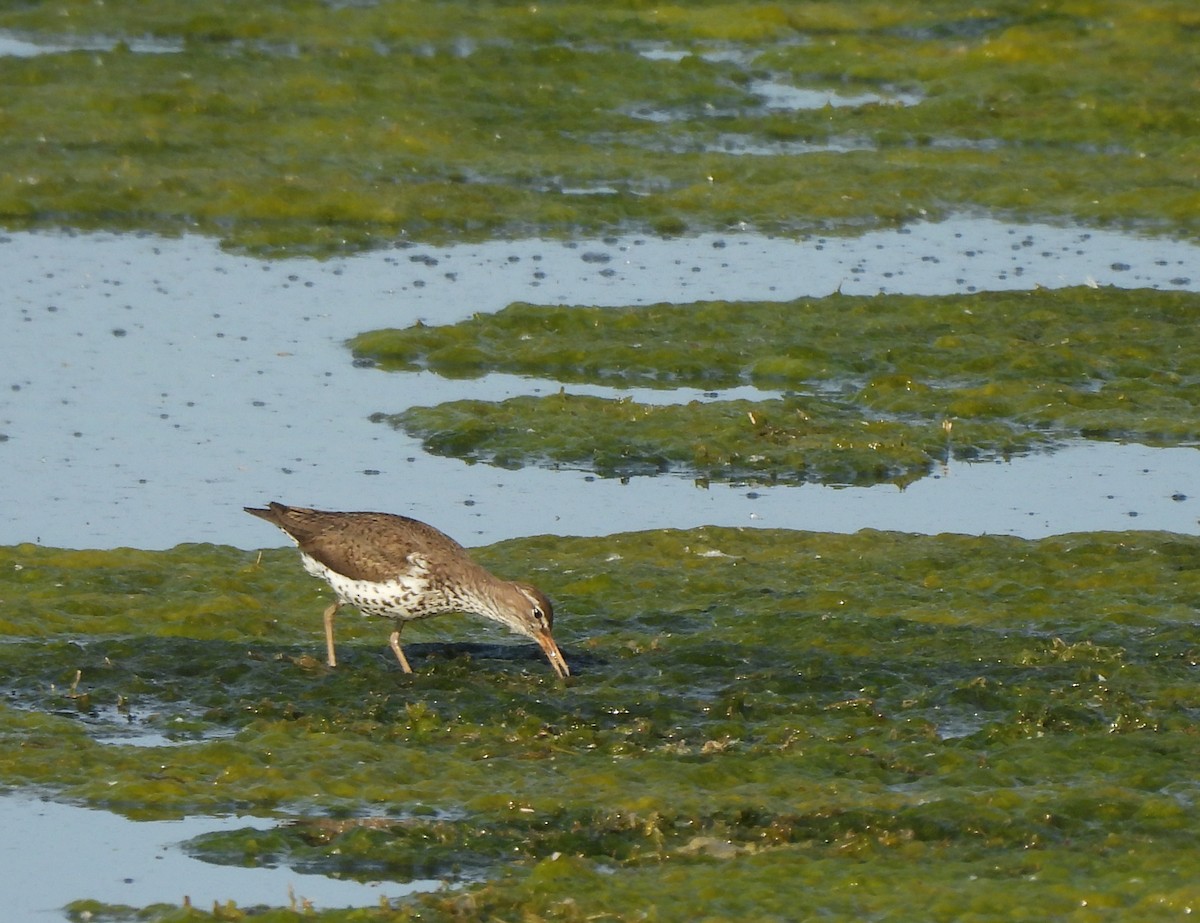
x: 781, y: 96
x: 62, y: 853
x: 15, y: 47
x: 150, y: 388
x: 773, y: 93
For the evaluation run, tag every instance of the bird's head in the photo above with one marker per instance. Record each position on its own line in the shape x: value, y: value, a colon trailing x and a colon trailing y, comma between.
x: 529, y: 613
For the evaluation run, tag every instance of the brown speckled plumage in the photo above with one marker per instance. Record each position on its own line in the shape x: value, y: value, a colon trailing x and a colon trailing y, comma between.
x: 403, y: 569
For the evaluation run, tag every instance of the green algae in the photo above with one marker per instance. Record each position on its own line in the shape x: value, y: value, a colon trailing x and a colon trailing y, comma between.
x: 874, y: 723
x: 881, y: 388
x: 313, y: 127
x: 784, y: 441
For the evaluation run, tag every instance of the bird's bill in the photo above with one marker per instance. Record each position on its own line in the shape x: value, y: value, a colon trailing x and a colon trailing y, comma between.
x: 553, y: 654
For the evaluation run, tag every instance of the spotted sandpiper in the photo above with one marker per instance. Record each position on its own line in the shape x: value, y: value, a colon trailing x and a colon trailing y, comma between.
x: 402, y: 569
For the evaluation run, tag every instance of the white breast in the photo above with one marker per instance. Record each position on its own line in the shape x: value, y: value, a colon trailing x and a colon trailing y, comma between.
x: 407, y: 596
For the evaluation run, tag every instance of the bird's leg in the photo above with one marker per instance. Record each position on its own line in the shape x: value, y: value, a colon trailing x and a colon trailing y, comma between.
x: 394, y: 641
x: 329, y: 614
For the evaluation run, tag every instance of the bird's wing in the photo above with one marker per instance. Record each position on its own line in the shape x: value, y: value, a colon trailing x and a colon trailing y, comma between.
x: 369, y: 547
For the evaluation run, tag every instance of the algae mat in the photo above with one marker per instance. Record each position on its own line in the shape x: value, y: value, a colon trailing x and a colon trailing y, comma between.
x: 873, y: 389
x: 311, y: 126
x: 761, y: 724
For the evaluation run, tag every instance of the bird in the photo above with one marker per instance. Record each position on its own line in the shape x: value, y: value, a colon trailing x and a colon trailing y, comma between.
x: 394, y: 567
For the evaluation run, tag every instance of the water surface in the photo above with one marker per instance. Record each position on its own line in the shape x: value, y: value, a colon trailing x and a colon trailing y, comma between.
x: 138, y: 863
x: 152, y: 387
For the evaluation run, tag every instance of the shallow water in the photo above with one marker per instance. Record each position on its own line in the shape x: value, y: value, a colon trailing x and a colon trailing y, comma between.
x: 155, y: 386
x: 106, y: 857
x: 16, y: 46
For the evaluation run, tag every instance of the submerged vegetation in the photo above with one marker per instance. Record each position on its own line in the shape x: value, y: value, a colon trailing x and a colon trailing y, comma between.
x: 876, y: 388
x: 809, y: 719
x: 769, y: 441
x: 311, y: 126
